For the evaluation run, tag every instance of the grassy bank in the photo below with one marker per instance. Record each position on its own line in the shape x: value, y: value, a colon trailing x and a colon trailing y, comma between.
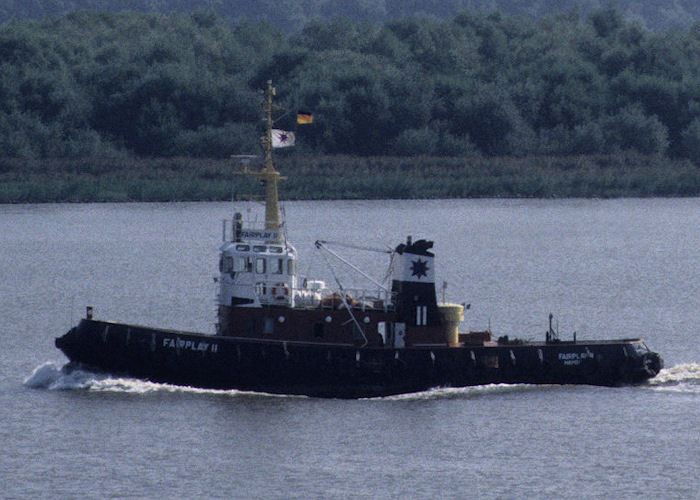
x: 342, y: 177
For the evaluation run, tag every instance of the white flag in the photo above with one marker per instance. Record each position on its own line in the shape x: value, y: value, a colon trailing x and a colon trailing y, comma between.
x: 282, y: 138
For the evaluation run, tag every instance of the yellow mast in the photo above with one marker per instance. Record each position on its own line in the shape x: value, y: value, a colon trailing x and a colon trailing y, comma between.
x: 268, y: 175
x: 271, y: 176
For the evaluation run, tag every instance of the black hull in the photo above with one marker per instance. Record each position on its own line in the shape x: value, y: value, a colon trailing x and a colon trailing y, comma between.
x: 342, y: 371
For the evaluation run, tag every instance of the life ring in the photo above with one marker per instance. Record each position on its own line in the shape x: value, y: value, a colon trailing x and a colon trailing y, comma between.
x: 280, y: 291
x: 651, y: 364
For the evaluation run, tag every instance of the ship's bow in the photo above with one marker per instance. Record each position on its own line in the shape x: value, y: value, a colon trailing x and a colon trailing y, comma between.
x: 66, y: 343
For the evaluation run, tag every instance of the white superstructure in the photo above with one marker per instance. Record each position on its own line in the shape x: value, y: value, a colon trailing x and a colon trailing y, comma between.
x: 256, y: 268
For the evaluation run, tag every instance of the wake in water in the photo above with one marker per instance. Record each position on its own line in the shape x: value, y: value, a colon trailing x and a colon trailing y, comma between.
x: 465, y: 392
x: 683, y: 378
x: 49, y: 376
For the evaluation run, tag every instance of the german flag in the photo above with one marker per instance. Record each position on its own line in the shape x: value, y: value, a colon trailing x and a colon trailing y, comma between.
x: 304, y: 118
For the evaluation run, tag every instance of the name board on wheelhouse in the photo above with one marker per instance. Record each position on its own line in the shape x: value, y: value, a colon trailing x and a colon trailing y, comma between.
x: 260, y: 235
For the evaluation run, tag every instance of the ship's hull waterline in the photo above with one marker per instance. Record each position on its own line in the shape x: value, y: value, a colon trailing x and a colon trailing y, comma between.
x: 345, y: 371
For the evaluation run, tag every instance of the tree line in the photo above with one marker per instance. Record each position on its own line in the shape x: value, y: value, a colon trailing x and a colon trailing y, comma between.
x: 292, y: 15
x: 120, y: 85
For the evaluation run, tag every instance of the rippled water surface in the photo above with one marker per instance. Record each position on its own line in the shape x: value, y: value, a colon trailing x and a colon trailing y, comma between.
x: 605, y: 268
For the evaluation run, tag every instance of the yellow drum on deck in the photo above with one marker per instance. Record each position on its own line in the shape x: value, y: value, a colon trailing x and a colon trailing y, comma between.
x: 451, y: 316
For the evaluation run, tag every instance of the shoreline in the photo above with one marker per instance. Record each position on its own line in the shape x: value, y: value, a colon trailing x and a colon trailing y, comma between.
x: 348, y: 178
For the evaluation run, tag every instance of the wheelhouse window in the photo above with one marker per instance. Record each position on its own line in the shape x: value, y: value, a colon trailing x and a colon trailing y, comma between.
x: 243, y: 264
x: 290, y: 267
x: 260, y: 248
x: 243, y: 248
x: 260, y: 265
x: 227, y: 264
x: 638, y: 349
x: 277, y: 266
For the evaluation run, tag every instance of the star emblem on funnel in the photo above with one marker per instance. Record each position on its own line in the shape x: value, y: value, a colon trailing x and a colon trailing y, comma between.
x: 419, y: 268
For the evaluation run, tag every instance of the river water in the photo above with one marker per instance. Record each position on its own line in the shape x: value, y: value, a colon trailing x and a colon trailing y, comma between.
x: 605, y: 268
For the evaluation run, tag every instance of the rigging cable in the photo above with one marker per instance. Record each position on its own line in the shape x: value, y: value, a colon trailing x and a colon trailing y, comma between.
x: 320, y: 245
x: 343, y: 297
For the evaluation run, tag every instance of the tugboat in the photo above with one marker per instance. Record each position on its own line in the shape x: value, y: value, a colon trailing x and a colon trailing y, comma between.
x: 281, y: 332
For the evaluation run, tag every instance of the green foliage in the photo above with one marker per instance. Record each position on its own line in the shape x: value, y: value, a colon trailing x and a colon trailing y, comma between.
x: 292, y: 15
x: 348, y: 177
x: 631, y: 130
x: 691, y: 141
x: 98, y: 84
